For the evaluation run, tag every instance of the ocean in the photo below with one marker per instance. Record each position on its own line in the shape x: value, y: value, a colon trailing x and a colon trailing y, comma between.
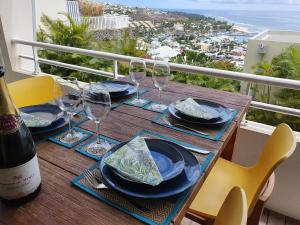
x: 255, y: 21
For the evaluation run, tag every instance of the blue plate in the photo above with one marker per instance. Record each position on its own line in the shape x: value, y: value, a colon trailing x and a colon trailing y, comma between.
x: 168, y: 160
x: 225, y: 115
x: 44, y: 110
x: 189, y: 176
x: 214, y: 109
x: 129, y: 91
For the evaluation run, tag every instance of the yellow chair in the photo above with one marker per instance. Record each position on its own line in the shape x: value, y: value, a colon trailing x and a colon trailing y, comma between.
x: 33, y: 91
x: 225, y: 175
x: 234, y: 209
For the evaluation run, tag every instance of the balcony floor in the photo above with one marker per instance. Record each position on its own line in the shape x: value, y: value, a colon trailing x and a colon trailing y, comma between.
x: 268, y: 218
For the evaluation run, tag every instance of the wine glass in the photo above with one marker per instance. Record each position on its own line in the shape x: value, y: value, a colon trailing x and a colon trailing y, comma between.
x: 137, y: 72
x: 160, y: 77
x: 97, y: 105
x: 68, y: 99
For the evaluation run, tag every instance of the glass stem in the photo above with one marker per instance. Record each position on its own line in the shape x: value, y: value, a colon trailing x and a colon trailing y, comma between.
x: 97, y: 122
x: 159, y: 95
x: 138, y: 91
x: 70, y: 120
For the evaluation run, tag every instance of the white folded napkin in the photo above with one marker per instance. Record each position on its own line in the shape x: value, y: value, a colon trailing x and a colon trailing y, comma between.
x: 135, y: 162
x: 34, y: 121
x: 191, y: 108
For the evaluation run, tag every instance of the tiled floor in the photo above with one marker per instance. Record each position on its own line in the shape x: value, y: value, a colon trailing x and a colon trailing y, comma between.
x: 269, y: 218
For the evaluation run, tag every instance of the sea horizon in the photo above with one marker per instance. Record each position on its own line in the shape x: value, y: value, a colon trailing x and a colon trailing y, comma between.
x: 254, y: 17
x: 254, y: 21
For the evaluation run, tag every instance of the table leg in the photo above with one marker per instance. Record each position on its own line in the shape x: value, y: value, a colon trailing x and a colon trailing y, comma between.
x: 227, y: 152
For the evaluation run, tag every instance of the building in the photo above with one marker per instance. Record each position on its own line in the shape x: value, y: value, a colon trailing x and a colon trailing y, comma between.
x: 268, y: 44
x: 164, y: 53
x: 265, y: 46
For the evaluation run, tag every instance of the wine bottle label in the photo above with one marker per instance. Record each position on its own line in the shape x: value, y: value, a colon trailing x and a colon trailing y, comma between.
x: 9, y: 124
x: 20, y: 181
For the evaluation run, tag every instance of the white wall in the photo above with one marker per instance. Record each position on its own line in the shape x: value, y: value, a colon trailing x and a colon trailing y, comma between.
x: 51, y: 8
x: 16, y: 17
x: 285, y: 198
x: 17, y: 21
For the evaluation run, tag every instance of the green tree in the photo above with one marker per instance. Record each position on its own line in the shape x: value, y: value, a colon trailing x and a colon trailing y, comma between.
x: 70, y: 33
x: 285, y: 65
x: 200, y: 59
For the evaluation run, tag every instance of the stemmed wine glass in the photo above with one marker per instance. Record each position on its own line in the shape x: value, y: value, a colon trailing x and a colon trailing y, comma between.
x: 68, y: 99
x: 97, y: 105
x: 160, y: 77
x: 137, y: 72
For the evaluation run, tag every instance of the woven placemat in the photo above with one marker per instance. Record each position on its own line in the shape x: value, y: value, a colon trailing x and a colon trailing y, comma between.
x: 160, y: 212
x: 120, y: 101
x: 83, y: 149
x: 214, y: 132
x: 57, y: 138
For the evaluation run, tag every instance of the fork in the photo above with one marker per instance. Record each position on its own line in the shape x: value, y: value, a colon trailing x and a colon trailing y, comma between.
x: 92, y: 180
x: 183, y: 126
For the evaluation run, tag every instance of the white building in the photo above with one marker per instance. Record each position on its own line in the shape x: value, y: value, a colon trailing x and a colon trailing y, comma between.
x: 268, y: 44
x: 164, y: 53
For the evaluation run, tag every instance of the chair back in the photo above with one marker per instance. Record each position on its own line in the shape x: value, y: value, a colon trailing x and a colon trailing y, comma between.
x: 33, y: 91
x: 278, y: 148
x: 234, y: 209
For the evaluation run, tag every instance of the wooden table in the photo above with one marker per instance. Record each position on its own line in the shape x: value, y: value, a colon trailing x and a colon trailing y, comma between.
x: 61, y: 203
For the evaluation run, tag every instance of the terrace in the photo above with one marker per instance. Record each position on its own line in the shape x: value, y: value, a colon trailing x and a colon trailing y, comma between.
x: 244, y: 139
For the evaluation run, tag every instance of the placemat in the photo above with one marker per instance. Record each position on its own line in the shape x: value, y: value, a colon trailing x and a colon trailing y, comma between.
x: 83, y: 149
x: 120, y: 101
x: 159, y: 212
x: 58, y: 136
x: 150, y: 105
x: 213, y: 132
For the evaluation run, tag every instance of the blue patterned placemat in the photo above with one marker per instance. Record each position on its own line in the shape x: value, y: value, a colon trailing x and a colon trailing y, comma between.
x: 58, y: 136
x: 214, y: 132
x: 159, y: 212
x: 150, y: 107
x: 83, y: 149
x: 123, y: 101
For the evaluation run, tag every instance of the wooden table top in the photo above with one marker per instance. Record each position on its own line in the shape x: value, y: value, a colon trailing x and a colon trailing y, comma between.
x: 61, y: 203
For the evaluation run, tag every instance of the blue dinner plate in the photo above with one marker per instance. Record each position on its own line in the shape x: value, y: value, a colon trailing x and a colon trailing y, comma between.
x: 169, y: 161
x: 185, y: 180
x: 223, y: 118
x: 46, y: 110
x: 116, y: 86
x: 129, y: 91
x: 215, y: 110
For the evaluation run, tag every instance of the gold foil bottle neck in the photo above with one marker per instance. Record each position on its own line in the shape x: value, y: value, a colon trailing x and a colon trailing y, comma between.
x: 7, y: 106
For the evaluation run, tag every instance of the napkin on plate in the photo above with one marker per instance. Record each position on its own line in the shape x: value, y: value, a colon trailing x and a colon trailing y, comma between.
x: 135, y: 162
x: 192, y: 108
x: 34, y: 121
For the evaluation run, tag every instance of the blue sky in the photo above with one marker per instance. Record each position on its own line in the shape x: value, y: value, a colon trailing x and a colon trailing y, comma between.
x: 213, y: 4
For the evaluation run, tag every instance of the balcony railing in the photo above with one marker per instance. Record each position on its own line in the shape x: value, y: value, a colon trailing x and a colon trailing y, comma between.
x: 108, y: 22
x: 246, y: 77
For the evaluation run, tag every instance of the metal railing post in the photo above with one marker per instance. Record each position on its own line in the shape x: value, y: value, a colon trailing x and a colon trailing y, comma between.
x: 248, y: 92
x: 116, y: 75
x: 37, y: 69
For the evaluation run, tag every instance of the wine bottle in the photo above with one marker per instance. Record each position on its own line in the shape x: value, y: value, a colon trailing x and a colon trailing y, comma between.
x: 20, y: 179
